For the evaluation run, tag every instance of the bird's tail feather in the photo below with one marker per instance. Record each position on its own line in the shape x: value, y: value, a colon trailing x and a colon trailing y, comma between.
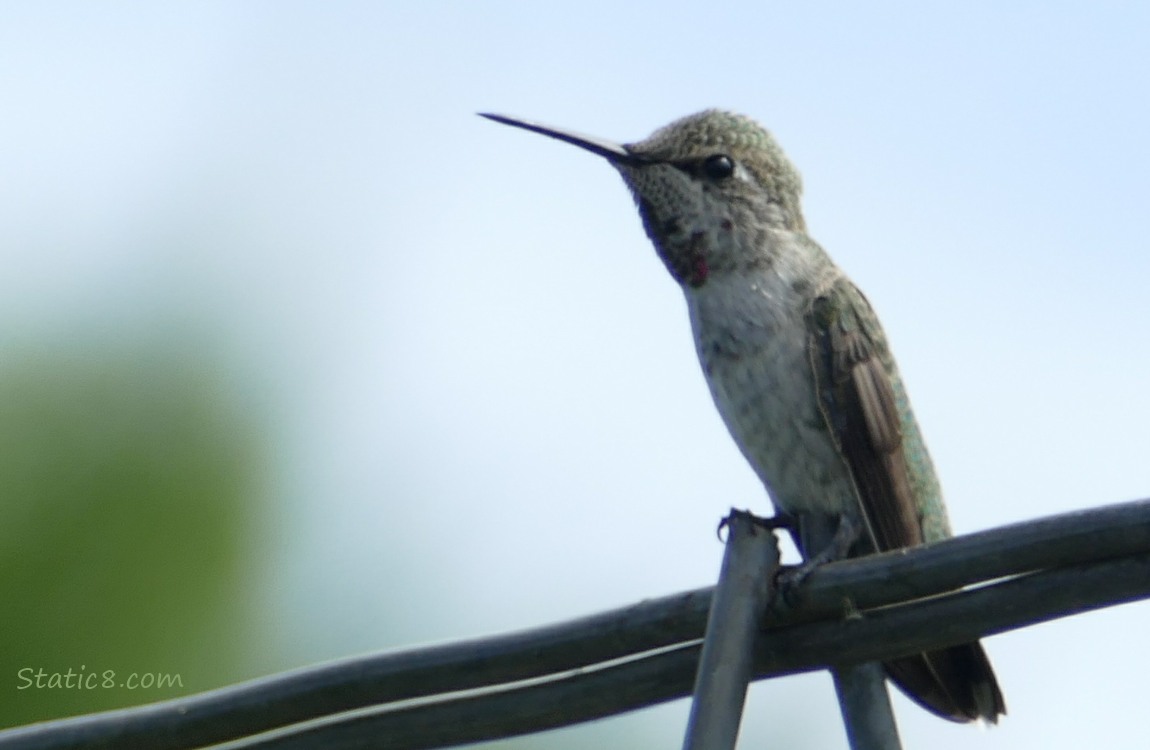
x: 956, y: 683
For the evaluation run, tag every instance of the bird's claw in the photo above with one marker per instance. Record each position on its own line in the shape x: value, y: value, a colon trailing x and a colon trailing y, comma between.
x: 777, y: 521
x: 789, y: 581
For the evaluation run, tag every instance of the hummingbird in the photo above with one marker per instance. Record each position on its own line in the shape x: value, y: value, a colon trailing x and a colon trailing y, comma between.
x: 796, y: 362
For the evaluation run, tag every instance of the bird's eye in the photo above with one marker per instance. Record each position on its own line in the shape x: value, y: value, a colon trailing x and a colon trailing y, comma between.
x: 718, y: 167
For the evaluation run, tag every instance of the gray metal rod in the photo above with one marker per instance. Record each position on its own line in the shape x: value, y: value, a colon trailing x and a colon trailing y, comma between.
x: 865, y: 705
x: 863, y: 697
x: 746, y: 583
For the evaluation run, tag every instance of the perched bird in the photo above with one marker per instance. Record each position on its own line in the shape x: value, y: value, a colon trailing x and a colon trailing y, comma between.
x: 796, y: 362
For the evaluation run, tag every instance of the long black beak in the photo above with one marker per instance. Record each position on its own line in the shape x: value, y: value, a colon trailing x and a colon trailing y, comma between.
x: 614, y: 152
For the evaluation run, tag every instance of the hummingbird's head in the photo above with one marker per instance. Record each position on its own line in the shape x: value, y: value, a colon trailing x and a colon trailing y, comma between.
x: 720, y: 157
x: 707, y: 186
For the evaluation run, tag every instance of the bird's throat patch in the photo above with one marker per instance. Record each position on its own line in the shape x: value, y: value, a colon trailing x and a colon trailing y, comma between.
x: 696, y: 269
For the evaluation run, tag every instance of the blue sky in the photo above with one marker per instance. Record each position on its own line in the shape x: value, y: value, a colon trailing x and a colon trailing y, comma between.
x: 482, y: 379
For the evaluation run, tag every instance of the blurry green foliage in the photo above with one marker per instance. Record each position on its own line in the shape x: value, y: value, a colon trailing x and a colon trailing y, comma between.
x: 129, y: 488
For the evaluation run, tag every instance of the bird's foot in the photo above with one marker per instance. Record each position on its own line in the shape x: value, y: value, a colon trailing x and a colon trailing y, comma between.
x: 789, y: 580
x: 778, y: 521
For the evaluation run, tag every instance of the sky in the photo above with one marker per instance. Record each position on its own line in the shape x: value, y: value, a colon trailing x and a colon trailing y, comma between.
x: 486, y: 407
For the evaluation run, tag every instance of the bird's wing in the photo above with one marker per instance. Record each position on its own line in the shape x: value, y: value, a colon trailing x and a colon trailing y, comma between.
x: 856, y: 381
x: 853, y: 374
